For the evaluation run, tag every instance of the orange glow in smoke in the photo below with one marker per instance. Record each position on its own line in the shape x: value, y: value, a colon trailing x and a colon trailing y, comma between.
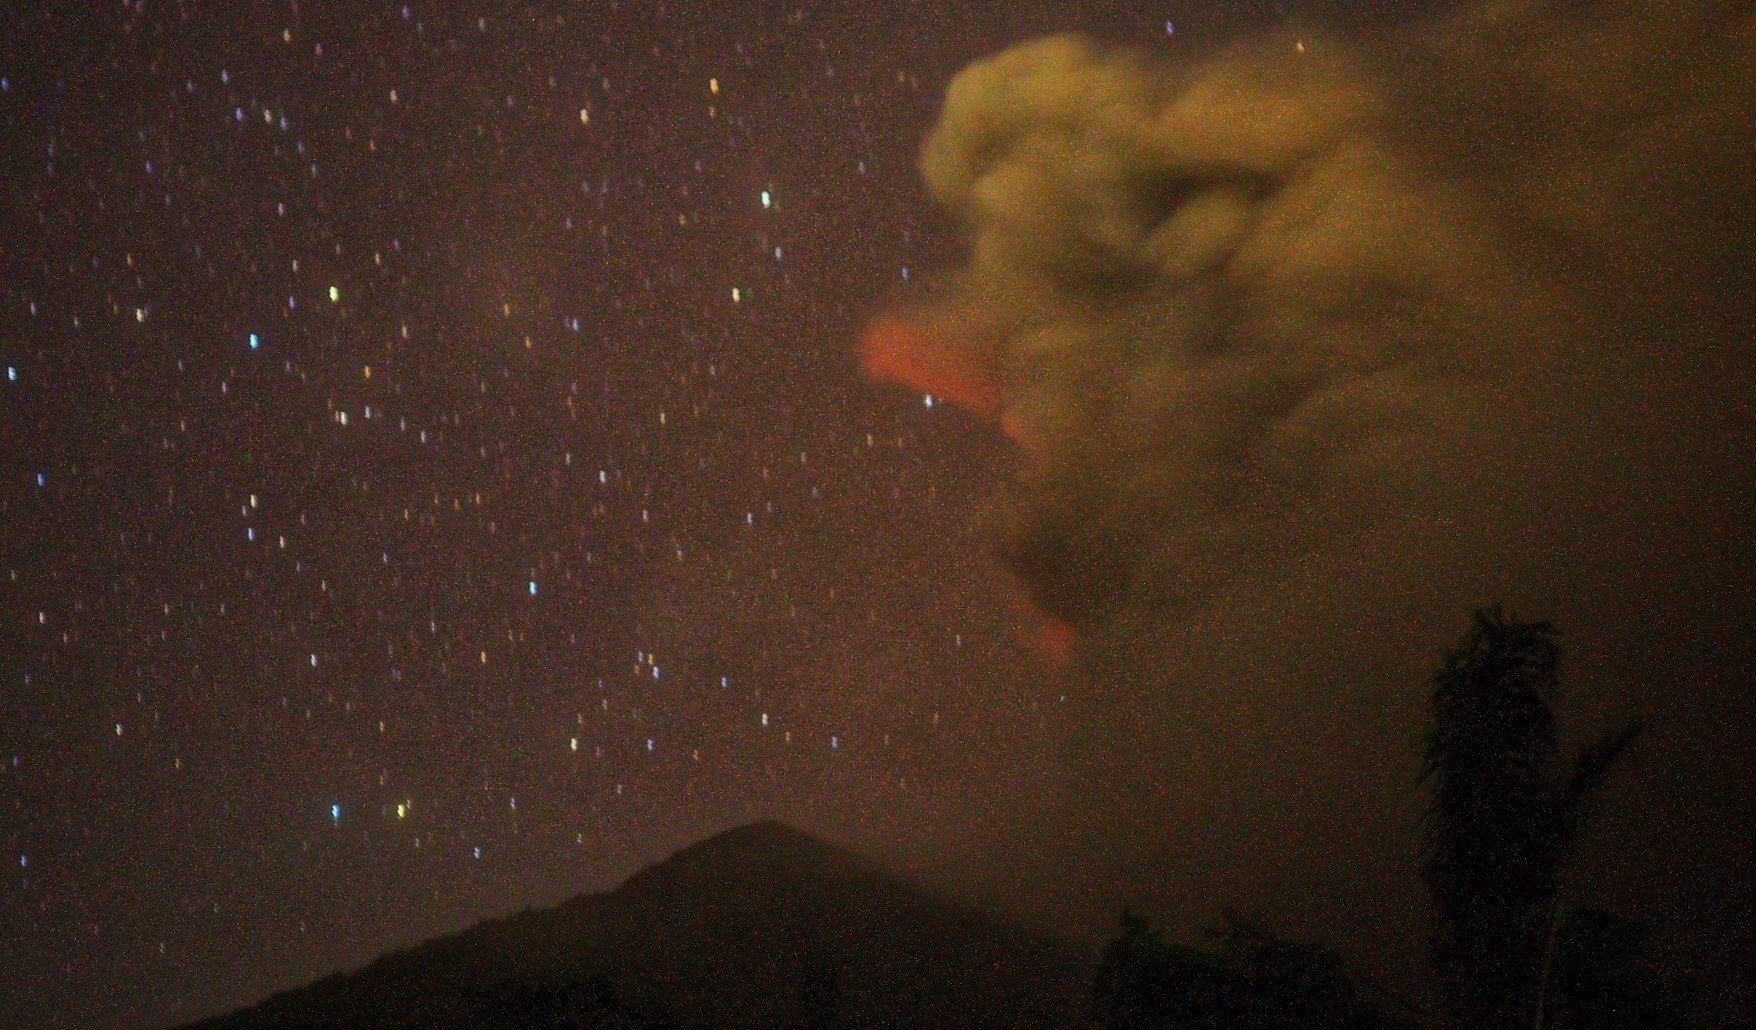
x: 902, y: 352
x: 1054, y: 641
x: 1029, y: 444
x: 899, y: 351
x: 1049, y: 638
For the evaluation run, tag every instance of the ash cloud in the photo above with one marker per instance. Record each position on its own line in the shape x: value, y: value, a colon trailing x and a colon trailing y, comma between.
x: 1310, y: 346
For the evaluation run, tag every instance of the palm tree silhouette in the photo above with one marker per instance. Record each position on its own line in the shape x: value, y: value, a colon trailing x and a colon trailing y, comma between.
x: 1502, y: 819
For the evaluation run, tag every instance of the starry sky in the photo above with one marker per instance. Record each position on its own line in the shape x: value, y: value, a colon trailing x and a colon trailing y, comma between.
x: 437, y: 479
x: 436, y: 476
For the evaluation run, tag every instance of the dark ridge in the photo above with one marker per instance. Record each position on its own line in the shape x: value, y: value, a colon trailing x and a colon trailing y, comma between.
x: 720, y: 934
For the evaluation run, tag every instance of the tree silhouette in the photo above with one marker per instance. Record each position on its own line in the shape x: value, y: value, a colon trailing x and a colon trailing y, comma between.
x: 591, y: 1004
x: 1251, y: 981
x: 1603, y: 979
x: 819, y: 993
x: 1502, y: 818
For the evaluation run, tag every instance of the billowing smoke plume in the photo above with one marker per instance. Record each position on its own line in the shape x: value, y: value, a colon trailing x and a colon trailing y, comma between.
x: 1311, y: 346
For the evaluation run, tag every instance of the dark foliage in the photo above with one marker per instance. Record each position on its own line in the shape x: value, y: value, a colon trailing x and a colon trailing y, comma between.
x: 1502, y: 817
x: 1603, y: 978
x: 819, y: 994
x: 573, y: 1005
x: 1251, y: 981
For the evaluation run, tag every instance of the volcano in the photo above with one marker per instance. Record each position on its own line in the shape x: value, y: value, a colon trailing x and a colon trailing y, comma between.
x: 759, y: 926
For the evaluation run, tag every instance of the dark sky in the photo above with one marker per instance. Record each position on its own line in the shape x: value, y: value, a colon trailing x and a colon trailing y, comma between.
x: 437, y: 477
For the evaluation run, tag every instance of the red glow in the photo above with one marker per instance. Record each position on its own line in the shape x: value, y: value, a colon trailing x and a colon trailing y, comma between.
x: 1028, y: 443
x: 899, y: 351
x: 1054, y: 641
x: 1049, y: 638
x: 902, y: 352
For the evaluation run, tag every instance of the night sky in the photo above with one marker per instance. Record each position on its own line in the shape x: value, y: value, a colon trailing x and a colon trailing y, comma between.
x: 436, y: 476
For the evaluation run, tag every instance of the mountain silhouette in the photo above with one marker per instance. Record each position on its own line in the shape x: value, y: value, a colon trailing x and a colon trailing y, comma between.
x: 724, y: 934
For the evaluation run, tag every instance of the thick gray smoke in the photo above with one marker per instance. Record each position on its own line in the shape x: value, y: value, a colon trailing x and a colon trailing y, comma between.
x: 1313, y: 346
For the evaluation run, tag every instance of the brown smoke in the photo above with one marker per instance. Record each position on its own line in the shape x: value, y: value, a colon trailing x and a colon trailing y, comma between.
x: 1314, y: 345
